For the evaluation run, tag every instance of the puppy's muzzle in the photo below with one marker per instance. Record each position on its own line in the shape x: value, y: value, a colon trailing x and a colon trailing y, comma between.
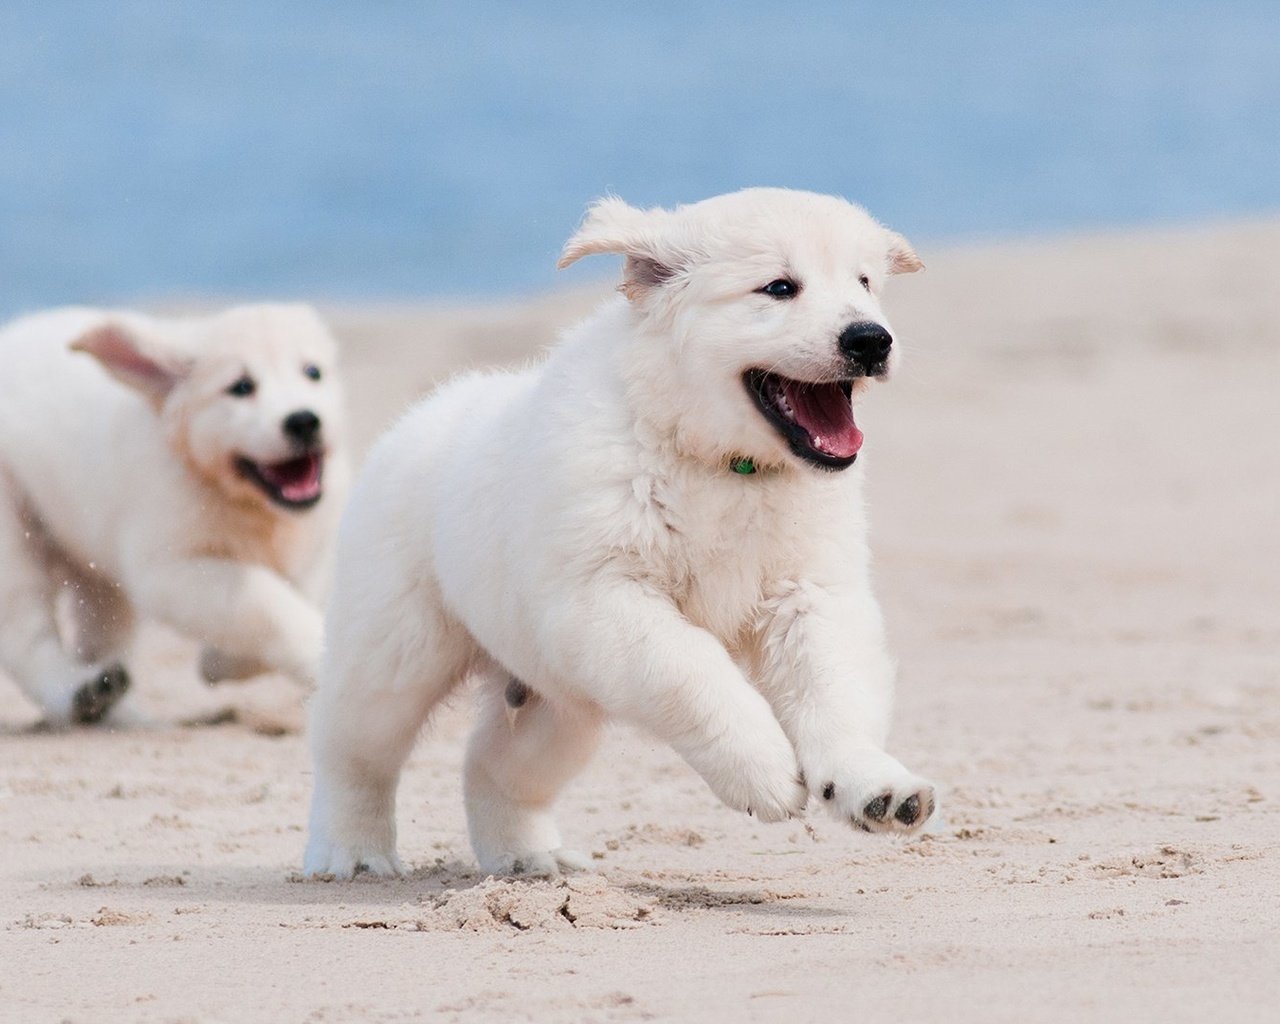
x: 866, y: 345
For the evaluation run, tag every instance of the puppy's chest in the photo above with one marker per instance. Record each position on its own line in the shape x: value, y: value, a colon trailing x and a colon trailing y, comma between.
x: 715, y: 550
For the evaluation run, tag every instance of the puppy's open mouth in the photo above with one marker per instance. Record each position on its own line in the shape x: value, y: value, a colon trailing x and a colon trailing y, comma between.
x: 294, y: 483
x: 816, y: 420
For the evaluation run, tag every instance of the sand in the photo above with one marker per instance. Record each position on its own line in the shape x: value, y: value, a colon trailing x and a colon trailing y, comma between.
x: 1075, y: 486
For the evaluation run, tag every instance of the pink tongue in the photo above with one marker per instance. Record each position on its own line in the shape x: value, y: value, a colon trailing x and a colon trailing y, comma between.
x: 297, y: 479
x: 826, y: 414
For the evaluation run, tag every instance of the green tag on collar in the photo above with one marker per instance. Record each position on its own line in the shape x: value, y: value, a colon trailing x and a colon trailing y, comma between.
x: 743, y: 464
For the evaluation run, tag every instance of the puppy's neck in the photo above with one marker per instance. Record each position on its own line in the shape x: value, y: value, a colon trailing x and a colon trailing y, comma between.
x: 246, y: 532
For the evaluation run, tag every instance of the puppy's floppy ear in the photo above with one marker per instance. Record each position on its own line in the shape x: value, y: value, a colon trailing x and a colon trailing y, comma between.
x: 141, y: 362
x: 642, y: 236
x: 902, y: 259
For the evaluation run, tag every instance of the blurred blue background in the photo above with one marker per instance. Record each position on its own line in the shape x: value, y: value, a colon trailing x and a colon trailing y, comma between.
x: 416, y: 150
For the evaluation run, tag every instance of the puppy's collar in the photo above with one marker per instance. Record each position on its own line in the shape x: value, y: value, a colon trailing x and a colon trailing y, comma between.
x: 745, y: 465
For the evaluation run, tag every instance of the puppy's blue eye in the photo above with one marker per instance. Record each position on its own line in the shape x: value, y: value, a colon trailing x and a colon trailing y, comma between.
x: 243, y: 387
x: 782, y: 288
x: 311, y: 371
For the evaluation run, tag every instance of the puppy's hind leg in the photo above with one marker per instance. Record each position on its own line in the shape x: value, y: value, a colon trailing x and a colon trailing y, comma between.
x: 381, y: 676
x: 104, y: 620
x: 31, y: 649
x: 522, y: 753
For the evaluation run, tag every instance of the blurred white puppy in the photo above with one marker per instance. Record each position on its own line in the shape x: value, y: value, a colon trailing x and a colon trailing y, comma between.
x: 184, y: 490
x: 661, y: 523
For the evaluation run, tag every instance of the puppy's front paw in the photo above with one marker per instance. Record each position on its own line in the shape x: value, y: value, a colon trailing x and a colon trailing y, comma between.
x: 778, y: 795
x: 874, y: 792
x: 758, y: 775
x: 93, y: 699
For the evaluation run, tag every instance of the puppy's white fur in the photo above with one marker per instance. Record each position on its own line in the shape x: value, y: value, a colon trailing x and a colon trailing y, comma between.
x: 577, y: 525
x: 119, y: 444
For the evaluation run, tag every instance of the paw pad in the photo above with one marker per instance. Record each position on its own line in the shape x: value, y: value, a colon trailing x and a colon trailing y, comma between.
x: 516, y: 694
x: 879, y: 807
x: 909, y: 810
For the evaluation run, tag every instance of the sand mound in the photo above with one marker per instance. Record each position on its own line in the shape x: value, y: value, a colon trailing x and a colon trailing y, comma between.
x: 587, y: 901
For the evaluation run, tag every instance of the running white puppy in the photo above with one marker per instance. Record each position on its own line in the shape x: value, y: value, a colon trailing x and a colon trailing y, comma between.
x: 662, y: 523
x: 184, y: 489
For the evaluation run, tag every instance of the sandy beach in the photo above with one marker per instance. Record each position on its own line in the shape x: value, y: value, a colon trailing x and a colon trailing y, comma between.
x: 1075, y: 487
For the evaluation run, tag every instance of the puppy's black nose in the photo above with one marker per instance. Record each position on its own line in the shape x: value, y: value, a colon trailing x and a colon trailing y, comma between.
x: 302, y: 426
x: 867, y: 345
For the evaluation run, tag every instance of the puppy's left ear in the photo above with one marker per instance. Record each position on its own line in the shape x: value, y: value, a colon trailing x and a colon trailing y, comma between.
x: 902, y: 259
x: 644, y: 237
x: 141, y: 362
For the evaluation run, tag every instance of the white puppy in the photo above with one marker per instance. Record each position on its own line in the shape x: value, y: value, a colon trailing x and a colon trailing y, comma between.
x: 662, y: 523
x: 184, y: 489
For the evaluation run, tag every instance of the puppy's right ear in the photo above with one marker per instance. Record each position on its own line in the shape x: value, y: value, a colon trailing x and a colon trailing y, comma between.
x: 901, y: 257
x: 642, y: 236
x: 141, y: 362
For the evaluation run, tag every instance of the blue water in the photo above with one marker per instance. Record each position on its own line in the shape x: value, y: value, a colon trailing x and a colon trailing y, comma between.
x: 407, y: 150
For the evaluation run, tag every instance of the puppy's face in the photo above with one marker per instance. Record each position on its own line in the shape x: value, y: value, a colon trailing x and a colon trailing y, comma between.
x: 248, y: 398
x: 766, y: 306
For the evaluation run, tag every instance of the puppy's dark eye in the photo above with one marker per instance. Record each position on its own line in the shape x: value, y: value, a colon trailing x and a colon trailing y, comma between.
x: 864, y: 281
x: 243, y: 387
x: 782, y: 288
x: 311, y: 371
